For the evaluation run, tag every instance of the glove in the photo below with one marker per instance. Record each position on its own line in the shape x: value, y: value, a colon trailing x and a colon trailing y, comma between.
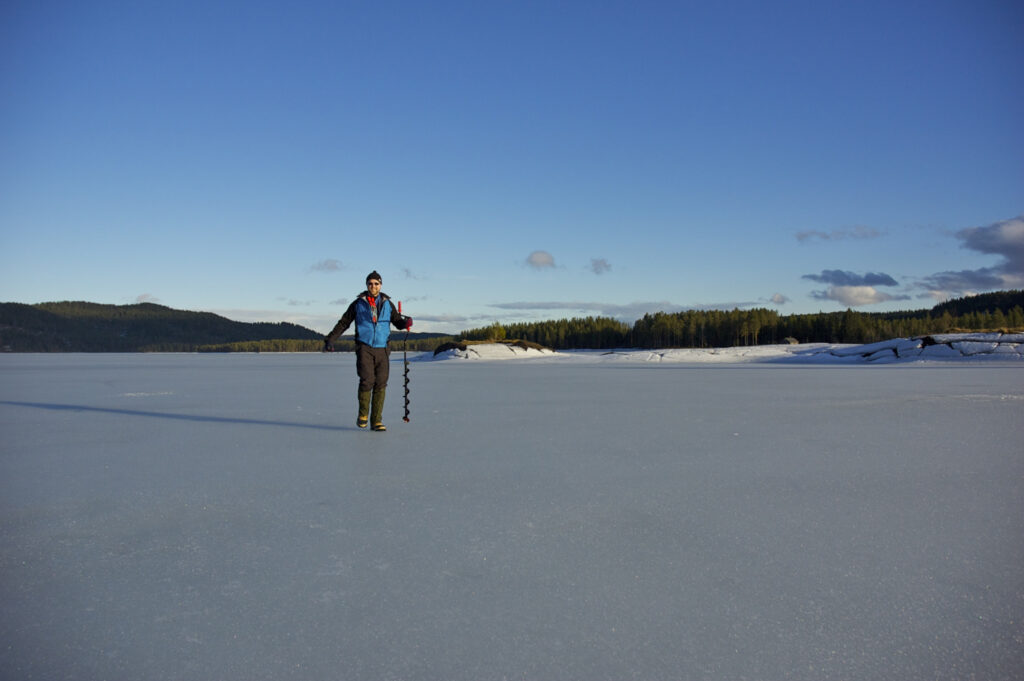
x: 327, y: 345
x: 408, y: 323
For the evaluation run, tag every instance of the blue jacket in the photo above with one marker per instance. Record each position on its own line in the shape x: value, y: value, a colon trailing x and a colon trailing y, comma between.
x: 371, y: 329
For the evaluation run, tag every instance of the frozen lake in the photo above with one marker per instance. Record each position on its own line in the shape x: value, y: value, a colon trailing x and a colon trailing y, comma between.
x: 221, y: 517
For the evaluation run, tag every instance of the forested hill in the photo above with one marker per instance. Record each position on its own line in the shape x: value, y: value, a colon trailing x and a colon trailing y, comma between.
x: 147, y: 327
x: 144, y: 327
x: 983, y: 303
x: 1002, y: 310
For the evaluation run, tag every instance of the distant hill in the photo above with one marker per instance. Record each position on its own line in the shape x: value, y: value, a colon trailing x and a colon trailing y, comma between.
x: 147, y: 327
x: 144, y: 327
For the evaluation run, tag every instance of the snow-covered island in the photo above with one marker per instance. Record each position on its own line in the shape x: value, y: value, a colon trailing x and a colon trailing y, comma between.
x: 957, y: 346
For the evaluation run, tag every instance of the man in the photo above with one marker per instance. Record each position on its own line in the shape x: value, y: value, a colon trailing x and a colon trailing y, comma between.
x: 373, y: 313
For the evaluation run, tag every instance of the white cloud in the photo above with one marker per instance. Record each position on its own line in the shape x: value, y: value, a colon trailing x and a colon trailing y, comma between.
x: 779, y: 299
x: 855, y: 296
x: 540, y: 260
x: 147, y: 298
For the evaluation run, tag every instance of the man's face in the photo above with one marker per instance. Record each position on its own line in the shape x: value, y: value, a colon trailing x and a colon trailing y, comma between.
x: 373, y: 286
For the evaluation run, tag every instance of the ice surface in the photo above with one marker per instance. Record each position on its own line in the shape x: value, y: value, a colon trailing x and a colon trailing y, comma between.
x: 220, y: 517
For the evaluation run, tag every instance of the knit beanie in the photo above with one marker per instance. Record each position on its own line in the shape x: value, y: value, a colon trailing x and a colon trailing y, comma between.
x: 374, y: 275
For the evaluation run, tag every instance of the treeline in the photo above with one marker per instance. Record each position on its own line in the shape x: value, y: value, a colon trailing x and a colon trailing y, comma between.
x: 281, y: 345
x: 986, y: 302
x: 426, y: 342
x: 564, y: 334
x: 721, y: 328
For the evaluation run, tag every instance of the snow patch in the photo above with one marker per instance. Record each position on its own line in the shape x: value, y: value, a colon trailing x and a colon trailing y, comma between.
x: 493, y: 351
x: 936, y: 347
x: 974, y: 347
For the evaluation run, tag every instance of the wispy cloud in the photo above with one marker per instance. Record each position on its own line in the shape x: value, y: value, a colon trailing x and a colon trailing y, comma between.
x: 946, y: 284
x: 322, y: 323
x: 843, y: 278
x: 329, y: 265
x: 838, y: 234
x: 600, y: 266
x: 632, y: 310
x: 146, y: 298
x: 779, y: 299
x: 444, y: 318
x: 540, y: 260
x: 409, y: 274
x: 628, y: 312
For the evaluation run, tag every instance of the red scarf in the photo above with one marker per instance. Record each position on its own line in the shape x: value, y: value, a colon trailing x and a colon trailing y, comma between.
x: 373, y: 307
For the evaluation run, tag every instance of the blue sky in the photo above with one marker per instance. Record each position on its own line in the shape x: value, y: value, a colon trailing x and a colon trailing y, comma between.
x: 510, y: 160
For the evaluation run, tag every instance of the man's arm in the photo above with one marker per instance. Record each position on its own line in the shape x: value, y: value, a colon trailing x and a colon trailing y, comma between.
x: 399, y: 320
x: 343, y: 324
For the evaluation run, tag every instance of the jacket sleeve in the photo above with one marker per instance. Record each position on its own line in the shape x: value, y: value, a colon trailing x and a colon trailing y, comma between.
x: 343, y: 323
x: 397, y: 319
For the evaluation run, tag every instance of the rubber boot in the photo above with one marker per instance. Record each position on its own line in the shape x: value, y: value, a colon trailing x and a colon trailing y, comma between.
x: 364, y: 409
x: 377, y: 410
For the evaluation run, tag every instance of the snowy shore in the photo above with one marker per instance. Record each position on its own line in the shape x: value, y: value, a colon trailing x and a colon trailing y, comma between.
x: 973, y: 346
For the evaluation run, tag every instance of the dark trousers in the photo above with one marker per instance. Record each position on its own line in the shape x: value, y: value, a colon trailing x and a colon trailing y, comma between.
x: 373, y: 366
